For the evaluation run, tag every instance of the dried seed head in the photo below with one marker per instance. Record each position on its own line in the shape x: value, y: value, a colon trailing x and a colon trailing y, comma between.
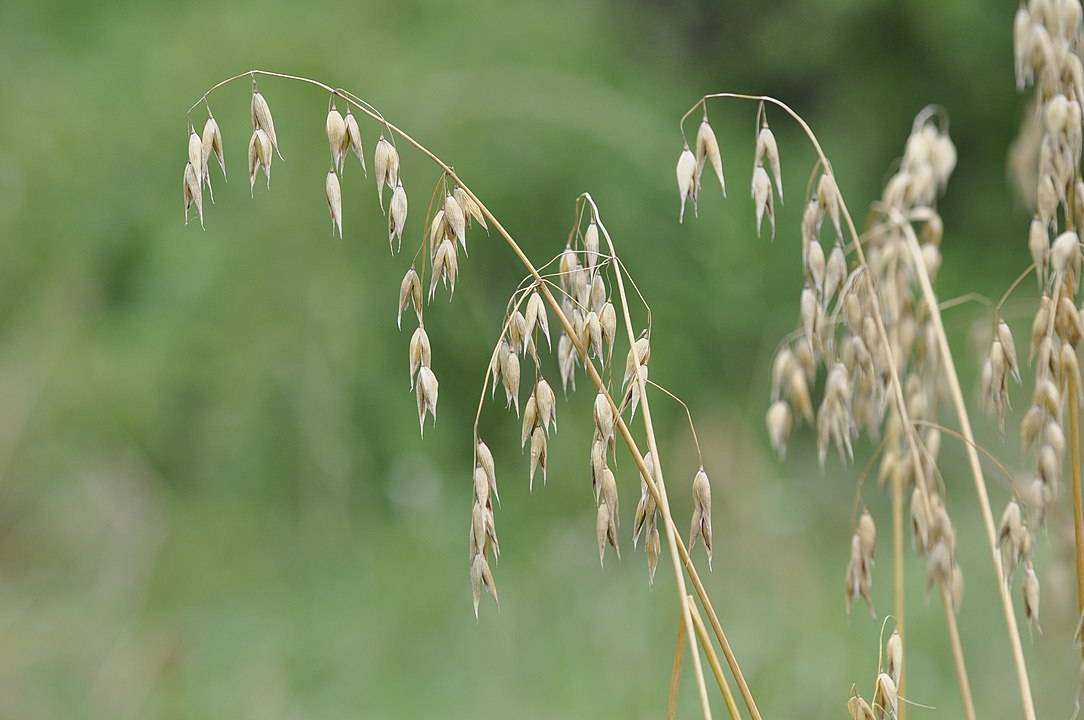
x: 1011, y: 534
x: 604, y: 418
x: 762, y: 198
x: 456, y: 219
x: 768, y: 153
x: 566, y: 360
x: 261, y: 120
x: 885, y: 696
x: 814, y: 266
x: 593, y: 334
x: 607, y: 319
x: 397, y: 217
x: 481, y: 577
x: 1031, y: 596
x: 1065, y: 255
x: 386, y: 167
x: 538, y: 454
x: 1004, y: 334
x: 686, y: 180
x: 427, y: 387
x: 895, y: 656
x: 701, y: 523
x: 337, y: 139
x: 836, y: 274
x: 484, y: 458
x: 353, y: 138
x: 481, y: 489
x: 707, y: 148
x: 653, y: 547
x: 472, y: 210
x: 867, y: 535
x: 410, y: 293
x: 858, y: 580
x: 420, y: 353
x: 193, y: 192
x: 608, y: 493
x: 605, y: 532
x: 859, y: 709
x: 259, y: 156
x: 641, y: 350
x: 828, y: 200
x: 334, y: 201
x: 212, y: 144
x: 530, y: 419
x: 536, y: 317
x: 920, y: 521
x: 510, y: 377
x: 779, y: 423
x: 590, y: 245
x: 1039, y: 246
x: 547, y: 404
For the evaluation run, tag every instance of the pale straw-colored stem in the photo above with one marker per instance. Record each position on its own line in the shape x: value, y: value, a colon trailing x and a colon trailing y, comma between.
x: 897, y: 574
x: 713, y: 662
x: 957, y: 654
x: 1078, y: 508
x: 675, y: 674
x: 976, y: 470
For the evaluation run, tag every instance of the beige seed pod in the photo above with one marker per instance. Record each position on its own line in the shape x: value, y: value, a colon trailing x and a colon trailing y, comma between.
x: 386, y: 167
x: 779, y: 423
x: 828, y: 200
x: 517, y: 331
x: 1004, y: 334
x: 798, y: 394
x: 566, y: 359
x: 193, y: 193
x: 895, y: 656
x: 510, y: 377
x: 608, y: 493
x: 605, y: 532
x: 1031, y: 596
x: 859, y: 709
x: 481, y: 577
x: 334, y: 201
x: 885, y: 696
x: 607, y: 319
x: 1068, y: 323
x: 641, y: 349
x: 547, y: 404
x: 815, y: 266
x: 427, y: 388
x: 1046, y: 200
x: 653, y: 547
x: 767, y: 153
x: 1011, y: 534
x: 481, y: 490
x: 836, y: 273
x: 353, y: 139
x: 1070, y: 370
x: 645, y: 508
x: 867, y: 535
x: 495, y: 366
x: 1039, y: 247
x: 1039, y: 326
x: 604, y: 418
x: 686, y: 180
x: 598, y: 464
x: 470, y: 208
x: 484, y: 459
x: 397, y: 216
x: 920, y: 525
x: 762, y: 198
x: 530, y: 420
x: 456, y: 219
x: 536, y: 317
x: 410, y: 293
x: 211, y: 143
x: 337, y: 139
x: 593, y: 326
x: 477, y: 526
x: 1065, y: 255
x: 707, y: 149
x: 259, y: 156
x: 421, y: 355
x: 590, y: 246
x: 701, y: 522
x: 262, y: 120
x: 538, y: 454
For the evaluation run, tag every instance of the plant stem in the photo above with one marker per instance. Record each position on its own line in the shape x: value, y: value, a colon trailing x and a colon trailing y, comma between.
x: 713, y: 661
x: 976, y: 471
x: 897, y: 561
x: 675, y: 675
x: 1078, y: 508
x: 957, y: 654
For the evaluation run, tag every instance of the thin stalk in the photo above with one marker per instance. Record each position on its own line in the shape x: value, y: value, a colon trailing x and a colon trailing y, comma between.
x: 675, y: 674
x: 713, y: 661
x: 976, y: 472
x: 1078, y: 508
x: 957, y: 654
x: 897, y: 579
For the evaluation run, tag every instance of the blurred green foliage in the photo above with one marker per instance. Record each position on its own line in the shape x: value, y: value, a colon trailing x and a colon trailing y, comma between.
x: 213, y: 498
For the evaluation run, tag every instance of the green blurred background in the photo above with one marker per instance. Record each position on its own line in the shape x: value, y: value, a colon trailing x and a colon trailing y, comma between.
x: 213, y: 498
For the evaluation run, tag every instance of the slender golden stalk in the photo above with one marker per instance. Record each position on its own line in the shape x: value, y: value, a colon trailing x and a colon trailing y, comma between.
x: 976, y: 471
x: 675, y: 674
x: 713, y: 661
x: 1078, y: 508
x: 957, y: 655
x: 897, y: 579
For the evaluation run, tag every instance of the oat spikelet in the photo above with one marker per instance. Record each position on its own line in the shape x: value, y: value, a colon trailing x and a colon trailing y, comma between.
x: 686, y: 180
x: 193, y: 193
x: 212, y: 144
x: 768, y: 153
x: 334, y: 201
x: 337, y: 139
x: 261, y: 120
x: 707, y: 149
x: 456, y: 219
x: 259, y: 156
x: 481, y: 577
x: 386, y: 167
x: 701, y: 524
x: 397, y: 217
x: 353, y: 140
x: 605, y: 532
x: 762, y: 198
x: 894, y: 650
x: 410, y: 293
x: 427, y: 388
x: 485, y: 461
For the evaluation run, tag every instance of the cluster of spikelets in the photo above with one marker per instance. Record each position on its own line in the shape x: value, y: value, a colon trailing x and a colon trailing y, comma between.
x: 1046, y: 37
x: 886, y: 697
x: 585, y: 303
